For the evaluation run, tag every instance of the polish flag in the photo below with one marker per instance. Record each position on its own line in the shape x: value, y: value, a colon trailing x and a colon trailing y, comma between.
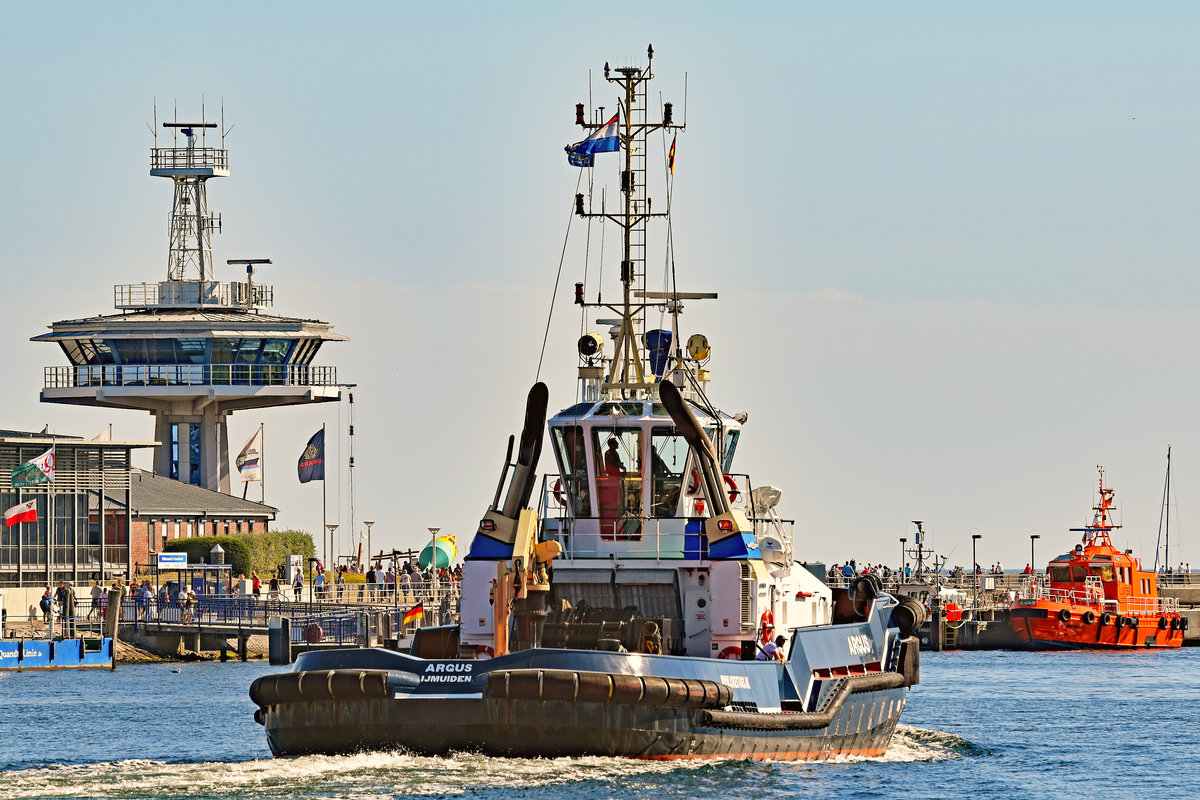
x: 25, y: 512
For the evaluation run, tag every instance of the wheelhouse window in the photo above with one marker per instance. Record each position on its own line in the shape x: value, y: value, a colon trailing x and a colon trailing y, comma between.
x: 668, y: 458
x: 569, y: 443
x: 1060, y: 573
x: 617, y: 465
x: 1102, y: 571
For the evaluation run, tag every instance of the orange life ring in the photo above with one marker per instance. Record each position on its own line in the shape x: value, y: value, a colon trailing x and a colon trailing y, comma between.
x: 484, y: 651
x: 694, y: 482
x: 766, y: 626
x: 557, y: 493
x: 732, y: 652
x: 733, y: 488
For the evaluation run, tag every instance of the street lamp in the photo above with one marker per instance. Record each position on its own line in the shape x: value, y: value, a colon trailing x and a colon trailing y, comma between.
x: 368, y: 523
x: 333, y: 526
x: 433, y: 532
x: 1032, y: 560
x: 975, y: 565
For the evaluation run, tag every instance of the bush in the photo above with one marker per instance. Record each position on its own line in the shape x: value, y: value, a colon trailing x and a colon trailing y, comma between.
x: 263, y: 553
x: 269, y: 551
x: 237, y: 554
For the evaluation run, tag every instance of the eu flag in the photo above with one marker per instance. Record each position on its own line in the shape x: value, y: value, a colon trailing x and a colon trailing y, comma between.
x: 311, y: 466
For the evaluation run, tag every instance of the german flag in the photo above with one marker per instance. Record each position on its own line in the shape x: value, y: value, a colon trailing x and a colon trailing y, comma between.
x: 413, y: 614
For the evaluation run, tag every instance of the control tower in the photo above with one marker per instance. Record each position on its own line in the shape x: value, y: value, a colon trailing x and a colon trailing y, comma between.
x: 191, y: 349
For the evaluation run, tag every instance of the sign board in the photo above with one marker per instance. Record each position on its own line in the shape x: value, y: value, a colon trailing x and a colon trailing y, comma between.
x: 172, y: 560
x: 294, y: 564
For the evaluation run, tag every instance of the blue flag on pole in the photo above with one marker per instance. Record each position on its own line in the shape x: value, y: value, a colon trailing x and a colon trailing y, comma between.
x: 602, y: 140
x: 311, y: 466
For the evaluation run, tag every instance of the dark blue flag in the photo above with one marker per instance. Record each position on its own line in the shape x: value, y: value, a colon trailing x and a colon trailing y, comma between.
x: 311, y: 466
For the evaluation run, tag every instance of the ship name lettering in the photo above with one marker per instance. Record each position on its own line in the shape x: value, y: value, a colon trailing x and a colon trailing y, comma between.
x: 452, y: 667
x: 736, y: 681
x: 860, y: 645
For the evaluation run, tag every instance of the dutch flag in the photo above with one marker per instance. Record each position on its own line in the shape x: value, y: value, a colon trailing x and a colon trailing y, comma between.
x: 602, y: 140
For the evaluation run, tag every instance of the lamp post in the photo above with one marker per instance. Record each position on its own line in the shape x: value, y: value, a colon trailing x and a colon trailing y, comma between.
x: 1033, y: 537
x: 903, y: 541
x: 368, y: 523
x: 975, y: 565
x: 332, y: 526
x: 433, y: 532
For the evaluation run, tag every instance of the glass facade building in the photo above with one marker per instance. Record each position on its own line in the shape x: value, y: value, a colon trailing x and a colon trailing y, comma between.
x: 82, y: 527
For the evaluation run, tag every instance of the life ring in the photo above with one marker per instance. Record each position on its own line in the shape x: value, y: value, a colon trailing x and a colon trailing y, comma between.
x: 733, y: 488
x: 1163, y: 623
x: 484, y: 652
x: 1064, y: 615
x: 557, y: 493
x: 766, y: 626
x: 1088, y: 617
x: 1105, y: 619
x: 733, y: 652
x: 693, y: 486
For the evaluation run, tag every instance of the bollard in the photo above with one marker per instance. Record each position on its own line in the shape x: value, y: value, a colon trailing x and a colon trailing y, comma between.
x: 363, y: 620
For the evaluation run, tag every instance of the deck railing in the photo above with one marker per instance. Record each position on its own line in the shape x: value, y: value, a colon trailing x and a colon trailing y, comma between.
x: 106, y: 375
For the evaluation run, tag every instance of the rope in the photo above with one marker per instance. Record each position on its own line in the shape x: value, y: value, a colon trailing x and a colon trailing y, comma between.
x: 562, y: 257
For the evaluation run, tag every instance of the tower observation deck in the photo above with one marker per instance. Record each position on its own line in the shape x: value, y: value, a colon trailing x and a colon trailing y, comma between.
x: 191, y: 349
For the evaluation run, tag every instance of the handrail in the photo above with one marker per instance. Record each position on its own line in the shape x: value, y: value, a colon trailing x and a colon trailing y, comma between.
x: 187, y: 374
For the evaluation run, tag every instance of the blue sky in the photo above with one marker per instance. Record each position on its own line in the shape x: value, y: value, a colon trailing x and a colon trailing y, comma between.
x: 954, y: 242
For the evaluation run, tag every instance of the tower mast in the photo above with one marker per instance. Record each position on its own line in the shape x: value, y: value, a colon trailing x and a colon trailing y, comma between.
x: 628, y: 374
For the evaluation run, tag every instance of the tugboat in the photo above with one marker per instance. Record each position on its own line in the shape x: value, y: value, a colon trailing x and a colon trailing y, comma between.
x: 1096, y: 596
x: 649, y: 604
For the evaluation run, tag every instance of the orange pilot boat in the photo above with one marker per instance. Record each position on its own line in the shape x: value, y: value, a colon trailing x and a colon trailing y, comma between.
x: 1096, y: 596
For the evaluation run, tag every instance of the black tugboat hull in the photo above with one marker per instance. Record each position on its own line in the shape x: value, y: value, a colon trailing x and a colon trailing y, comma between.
x: 535, y: 728
x: 552, y: 703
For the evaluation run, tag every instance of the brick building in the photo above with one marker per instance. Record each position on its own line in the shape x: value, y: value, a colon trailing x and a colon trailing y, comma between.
x: 162, y: 510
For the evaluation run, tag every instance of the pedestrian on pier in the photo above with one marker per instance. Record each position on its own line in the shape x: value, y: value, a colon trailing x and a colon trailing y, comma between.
x: 273, y: 588
x: 371, y: 584
x: 68, y: 611
x: 298, y: 585
x: 340, y: 581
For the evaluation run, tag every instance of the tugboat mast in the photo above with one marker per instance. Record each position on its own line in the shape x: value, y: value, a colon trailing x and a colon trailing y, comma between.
x: 628, y: 374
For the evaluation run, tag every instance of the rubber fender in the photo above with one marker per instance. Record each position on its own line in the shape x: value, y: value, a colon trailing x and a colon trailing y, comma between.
x: 801, y: 720
x: 551, y: 684
x: 908, y: 615
x: 1120, y: 621
x: 349, y: 684
x: 260, y: 716
x: 1163, y: 622
x: 1105, y: 619
x: 1175, y: 623
x: 1133, y: 622
x: 263, y: 691
x: 560, y: 684
x: 657, y: 691
x: 287, y: 687
x: 1088, y: 617
x: 627, y: 689
x: 1064, y: 615
x: 596, y: 687
x: 1183, y: 623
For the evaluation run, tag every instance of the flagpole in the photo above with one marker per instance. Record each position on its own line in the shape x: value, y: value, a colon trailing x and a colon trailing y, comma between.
x: 50, y: 494
x: 323, y: 503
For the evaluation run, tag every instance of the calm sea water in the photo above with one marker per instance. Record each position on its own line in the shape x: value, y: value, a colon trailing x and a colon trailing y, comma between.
x: 1002, y: 725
